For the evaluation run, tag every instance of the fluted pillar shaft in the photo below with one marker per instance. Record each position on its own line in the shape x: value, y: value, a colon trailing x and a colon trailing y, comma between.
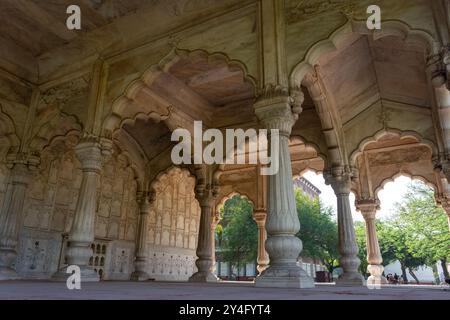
x: 260, y: 218
x: 205, y: 245
x: 340, y: 180
x: 275, y: 111
x: 82, y: 234
x: 215, y: 222
x: 368, y: 209
x: 11, y: 218
x: 140, y: 263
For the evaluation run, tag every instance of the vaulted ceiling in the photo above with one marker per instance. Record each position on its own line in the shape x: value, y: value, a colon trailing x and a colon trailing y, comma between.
x: 367, y: 71
x: 34, y: 37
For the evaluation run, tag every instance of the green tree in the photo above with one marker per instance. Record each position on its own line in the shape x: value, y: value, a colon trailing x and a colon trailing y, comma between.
x: 394, y: 246
x: 416, y: 235
x: 425, y: 226
x: 318, y: 230
x: 237, y: 233
x: 360, y: 233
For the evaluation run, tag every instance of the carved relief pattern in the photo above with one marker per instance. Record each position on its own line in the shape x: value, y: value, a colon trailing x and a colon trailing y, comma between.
x: 38, y: 253
x: 52, y: 197
x: 52, y: 193
x: 117, y: 207
x: 59, y: 96
x: 305, y: 9
x: 173, y: 227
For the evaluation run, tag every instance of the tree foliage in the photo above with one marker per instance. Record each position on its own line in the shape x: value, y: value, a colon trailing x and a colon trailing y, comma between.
x: 318, y: 230
x: 237, y: 233
x: 416, y: 235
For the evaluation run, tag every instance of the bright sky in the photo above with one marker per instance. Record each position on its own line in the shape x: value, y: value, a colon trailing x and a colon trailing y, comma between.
x: 391, y: 193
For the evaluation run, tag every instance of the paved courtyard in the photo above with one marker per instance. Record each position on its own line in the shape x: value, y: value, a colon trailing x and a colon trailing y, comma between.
x: 36, y: 290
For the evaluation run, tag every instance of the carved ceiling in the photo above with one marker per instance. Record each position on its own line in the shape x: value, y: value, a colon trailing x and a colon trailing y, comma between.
x: 153, y: 138
x: 367, y: 71
x: 34, y: 35
x: 298, y: 10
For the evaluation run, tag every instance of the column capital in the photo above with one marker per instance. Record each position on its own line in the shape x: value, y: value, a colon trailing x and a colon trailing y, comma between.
x: 93, y: 151
x: 145, y: 200
x: 277, y: 109
x: 206, y: 194
x: 22, y: 167
x: 260, y: 217
x: 340, y: 178
x: 368, y: 207
x: 26, y: 160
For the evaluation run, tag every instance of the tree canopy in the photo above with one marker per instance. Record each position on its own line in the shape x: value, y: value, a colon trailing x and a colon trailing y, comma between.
x: 416, y: 235
x: 318, y: 230
x: 237, y: 233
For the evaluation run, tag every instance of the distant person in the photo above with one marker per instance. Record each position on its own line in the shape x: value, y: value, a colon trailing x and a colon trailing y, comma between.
x: 396, y: 278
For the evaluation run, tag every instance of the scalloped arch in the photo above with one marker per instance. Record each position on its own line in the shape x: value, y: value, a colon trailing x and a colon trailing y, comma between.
x: 404, y: 174
x: 312, y: 145
x: 336, y: 40
x: 155, y: 117
x: 8, y: 129
x: 301, y: 173
x: 399, y: 133
x: 46, y: 133
x: 120, y: 104
x: 231, y: 195
x: 138, y: 175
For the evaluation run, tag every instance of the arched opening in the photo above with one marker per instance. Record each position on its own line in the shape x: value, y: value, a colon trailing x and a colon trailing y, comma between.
x: 172, y: 226
x: 317, y: 209
x: 236, y: 240
x: 412, y: 232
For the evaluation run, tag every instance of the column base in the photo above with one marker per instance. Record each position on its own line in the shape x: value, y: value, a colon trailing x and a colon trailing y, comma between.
x: 87, y: 275
x: 376, y: 275
x: 8, y: 274
x: 140, y: 276
x: 375, y: 280
x: 261, y: 268
x: 350, y: 279
x: 284, y: 277
x: 203, y: 277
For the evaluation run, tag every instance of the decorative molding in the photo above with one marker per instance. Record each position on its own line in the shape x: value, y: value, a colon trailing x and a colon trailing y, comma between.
x: 62, y: 93
x: 399, y: 133
x: 307, y: 9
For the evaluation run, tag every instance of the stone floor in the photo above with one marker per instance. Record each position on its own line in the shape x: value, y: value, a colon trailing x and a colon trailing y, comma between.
x: 222, y: 291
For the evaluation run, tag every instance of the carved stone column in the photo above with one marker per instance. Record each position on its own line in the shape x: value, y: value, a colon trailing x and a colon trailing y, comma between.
x: 91, y: 154
x: 260, y: 218
x: 145, y: 200
x: 368, y: 209
x: 275, y: 111
x: 205, y: 246
x: 11, y: 214
x: 215, y: 222
x: 340, y: 179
